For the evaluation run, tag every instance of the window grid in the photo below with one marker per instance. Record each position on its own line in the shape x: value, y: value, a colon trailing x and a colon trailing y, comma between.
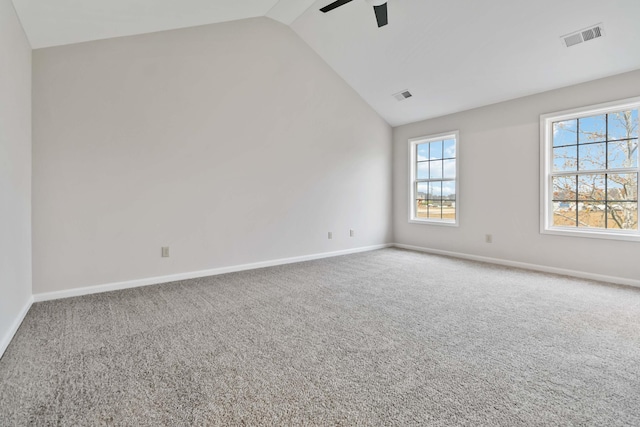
x: 597, y: 183
x: 434, y: 165
x: 606, y: 201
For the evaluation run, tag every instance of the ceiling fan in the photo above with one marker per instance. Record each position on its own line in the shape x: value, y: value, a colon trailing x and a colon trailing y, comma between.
x: 379, y: 7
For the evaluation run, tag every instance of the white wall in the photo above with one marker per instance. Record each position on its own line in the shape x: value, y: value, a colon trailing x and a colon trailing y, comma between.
x: 231, y: 143
x: 15, y: 173
x: 499, y: 185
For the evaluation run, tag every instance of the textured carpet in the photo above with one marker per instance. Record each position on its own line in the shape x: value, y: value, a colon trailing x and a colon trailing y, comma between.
x: 389, y: 337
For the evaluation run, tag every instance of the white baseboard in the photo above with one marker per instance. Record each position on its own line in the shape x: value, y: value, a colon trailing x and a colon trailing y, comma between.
x: 526, y: 266
x: 242, y: 267
x: 46, y: 296
x: 4, y: 343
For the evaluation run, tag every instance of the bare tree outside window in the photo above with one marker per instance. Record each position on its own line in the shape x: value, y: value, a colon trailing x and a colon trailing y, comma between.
x: 595, y: 171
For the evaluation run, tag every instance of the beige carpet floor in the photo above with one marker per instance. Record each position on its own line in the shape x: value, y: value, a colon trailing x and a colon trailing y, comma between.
x: 389, y: 337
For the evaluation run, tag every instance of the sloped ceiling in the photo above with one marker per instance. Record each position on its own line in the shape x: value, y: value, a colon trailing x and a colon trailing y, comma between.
x: 59, y: 22
x: 454, y: 55
x: 451, y: 54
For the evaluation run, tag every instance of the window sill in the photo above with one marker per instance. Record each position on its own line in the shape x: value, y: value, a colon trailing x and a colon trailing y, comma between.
x: 433, y: 222
x: 592, y: 234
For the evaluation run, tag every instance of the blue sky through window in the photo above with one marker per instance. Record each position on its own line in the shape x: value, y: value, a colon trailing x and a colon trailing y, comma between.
x: 604, y: 141
x: 436, y: 160
x: 593, y: 129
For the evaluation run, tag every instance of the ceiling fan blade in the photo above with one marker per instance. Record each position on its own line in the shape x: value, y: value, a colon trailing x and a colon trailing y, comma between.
x: 333, y: 5
x: 381, y: 15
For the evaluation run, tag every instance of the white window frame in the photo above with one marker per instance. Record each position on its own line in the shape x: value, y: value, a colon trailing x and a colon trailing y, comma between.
x: 413, y: 143
x: 546, y: 160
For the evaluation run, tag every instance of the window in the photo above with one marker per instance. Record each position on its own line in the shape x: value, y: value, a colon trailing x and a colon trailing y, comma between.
x: 590, y: 171
x: 434, y: 189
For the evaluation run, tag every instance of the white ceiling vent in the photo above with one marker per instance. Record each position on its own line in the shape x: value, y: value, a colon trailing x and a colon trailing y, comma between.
x: 582, y: 36
x: 402, y: 95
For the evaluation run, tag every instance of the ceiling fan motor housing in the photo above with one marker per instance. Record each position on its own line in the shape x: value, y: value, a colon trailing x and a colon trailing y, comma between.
x: 379, y: 8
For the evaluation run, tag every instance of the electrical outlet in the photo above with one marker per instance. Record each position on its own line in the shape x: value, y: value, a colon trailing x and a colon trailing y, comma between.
x: 352, y: 233
x: 488, y: 238
x: 330, y: 235
x: 165, y: 251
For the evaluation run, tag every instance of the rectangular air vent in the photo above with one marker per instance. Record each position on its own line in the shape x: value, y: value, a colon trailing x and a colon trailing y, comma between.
x: 582, y: 36
x: 401, y: 96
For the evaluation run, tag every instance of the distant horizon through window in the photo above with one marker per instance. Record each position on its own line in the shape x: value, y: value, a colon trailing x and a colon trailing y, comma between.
x: 434, y: 180
x: 592, y: 171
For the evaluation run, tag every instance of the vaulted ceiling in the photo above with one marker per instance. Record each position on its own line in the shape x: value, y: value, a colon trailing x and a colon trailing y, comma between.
x: 452, y: 55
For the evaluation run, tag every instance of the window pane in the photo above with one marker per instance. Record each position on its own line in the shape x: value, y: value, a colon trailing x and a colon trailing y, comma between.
x: 590, y: 215
x: 435, y: 169
x: 435, y: 209
x: 623, y: 125
x: 592, y: 129
x: 421, y: 209
x: 622, y: 215
x: 436, y: 150
x: 449, y: 170
x: 449, y: 148
x: 592, y: 156
x: 422, y: 189
x: 591, y: 187
x: 623, y: 154
x: 597, y: 206
x: 449, y: 210
x: 422, y: 171
x: 449, y: 200
x: 622, y: 187
x: 564, y: 214
x: 449, y: 190
x: 565, y: 159
x: 565, y: 133
x: 435, y: 191
x: 423, y: 152
x: 564, y: 188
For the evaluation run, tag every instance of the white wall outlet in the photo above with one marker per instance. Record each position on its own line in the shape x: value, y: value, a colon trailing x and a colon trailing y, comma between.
x: 330, y: 235
x: 165, y: 251
x: 488, y: 238
x: 352, y: 233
